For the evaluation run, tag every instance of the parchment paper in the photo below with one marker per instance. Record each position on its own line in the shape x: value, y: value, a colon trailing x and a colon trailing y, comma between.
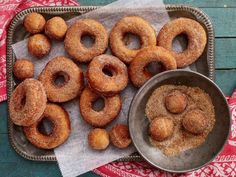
x: 75, y: 156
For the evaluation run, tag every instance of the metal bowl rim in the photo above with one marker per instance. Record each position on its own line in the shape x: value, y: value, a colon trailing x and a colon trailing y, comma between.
x: 191, y: 73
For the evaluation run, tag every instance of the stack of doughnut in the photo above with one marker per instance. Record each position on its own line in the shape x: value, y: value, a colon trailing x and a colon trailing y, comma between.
x: 28, y: 108
x: 30, y: 101
x: 106, y: 76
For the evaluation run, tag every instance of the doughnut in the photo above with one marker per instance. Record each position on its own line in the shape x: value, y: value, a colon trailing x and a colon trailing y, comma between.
x: 99, y: 81
x: 137, y: 71
x: 34, y: 23
x: 60, y: 128
x: 73, y: 79
x: 98, y: 139
x: 161, y: 128
x: 23, y: 69
x: 197, y: 39
x: 176, y: 101
x: 119, y: 136
x: 56, y: 28
x: 195, y: 121
x: 39, y: 45
x: 92, y: 28
x: 112, y: 107
x: 27, y: 102
x: 134, y: 25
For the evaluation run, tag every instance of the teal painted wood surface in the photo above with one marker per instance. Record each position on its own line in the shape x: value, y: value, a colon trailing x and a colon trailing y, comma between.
x: 12, y: 165
x: 223, y: 20
x: 3, y: 120
x: 225, y: 53
x: 198, y: 3
x: 218, y: 15
x: 204, y: 3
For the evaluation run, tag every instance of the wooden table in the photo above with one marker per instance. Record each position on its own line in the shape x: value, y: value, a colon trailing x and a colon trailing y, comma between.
x: 223, y: 14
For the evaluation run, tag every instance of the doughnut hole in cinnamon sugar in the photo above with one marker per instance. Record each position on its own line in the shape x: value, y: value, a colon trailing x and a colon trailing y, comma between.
x: 161, y: 128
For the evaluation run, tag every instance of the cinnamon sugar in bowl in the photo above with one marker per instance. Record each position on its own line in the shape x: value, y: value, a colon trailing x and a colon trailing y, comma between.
x: 192, y: 158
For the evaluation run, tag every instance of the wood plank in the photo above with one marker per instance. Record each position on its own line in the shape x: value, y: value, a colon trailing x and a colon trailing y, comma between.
x: 198, y: 3
x: 3, y: 117
x: 95, y: 3
x: 225, y: 23
x: 226, y: 80
x: 29, y: 169
x: 34, y: 169
x: 204, y: 3
x: 11, y: 160
x: 225, y: 52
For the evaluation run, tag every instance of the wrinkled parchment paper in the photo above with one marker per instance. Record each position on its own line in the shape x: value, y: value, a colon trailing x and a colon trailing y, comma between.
x: 75, y: 156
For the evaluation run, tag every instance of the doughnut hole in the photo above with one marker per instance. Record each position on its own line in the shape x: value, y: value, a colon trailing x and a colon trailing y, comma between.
x: 23, y: 69
x: 132, y: 41
x: 180, y: 43
x: 195, y: 122
x: 60, y: 79
x: 98, y: 104
x: 109, y: 70
x: 161, y: 128
x: 87, y: 40
x: 98, y: 139
x: 34, y: 23
x: 119, y: 136
x: 56, y: 28
x: 39, y: 45
x: 154, y: 68
x: 176, y: 102
x: 45, y: 126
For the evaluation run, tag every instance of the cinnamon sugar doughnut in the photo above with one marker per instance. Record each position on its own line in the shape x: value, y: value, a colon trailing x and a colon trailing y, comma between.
x: 60, y: 128
x: 197, y: 39
x: 135, y: 25
x: 137, y: 72
x: 34, y: 23
x: 103, y: 117
x: 72, y: 75
x: 23, y: 69
x: 27, y: 102
x: 103, y: 83
x: 119, y: 136
x: 73, y: 44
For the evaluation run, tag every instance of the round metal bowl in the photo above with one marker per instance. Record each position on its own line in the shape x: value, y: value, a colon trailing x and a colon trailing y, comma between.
x: 191, y: 159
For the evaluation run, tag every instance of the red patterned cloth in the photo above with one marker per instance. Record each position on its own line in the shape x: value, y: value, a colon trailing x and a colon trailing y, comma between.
x: 223, y: 165
x: 8, y: 9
